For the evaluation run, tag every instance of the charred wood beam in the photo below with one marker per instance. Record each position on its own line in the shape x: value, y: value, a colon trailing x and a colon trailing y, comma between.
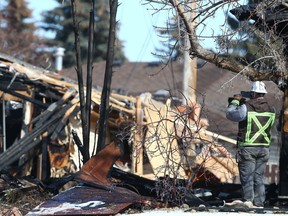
x: 13, y: 154
x: 54, y: 106
x: 74, y: 110
x: 14, y: 86
x: 53, y: 127
x: 25, y: 160
x: 22, y: 82
x: 24, y: 97
x: 30, y: 140
x: 45, y: 168
x: 77, y: 139
x: 143, y: 186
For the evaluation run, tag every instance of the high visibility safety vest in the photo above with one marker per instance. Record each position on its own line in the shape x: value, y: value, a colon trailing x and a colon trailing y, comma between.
x: 255, y: 130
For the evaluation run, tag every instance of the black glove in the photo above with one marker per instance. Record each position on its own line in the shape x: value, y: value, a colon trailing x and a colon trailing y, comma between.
x: 242, y: 101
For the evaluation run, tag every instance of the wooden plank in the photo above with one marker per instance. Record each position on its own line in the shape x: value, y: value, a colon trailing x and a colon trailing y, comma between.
x: 26, y: 159
x: 137, y: 149
x: 9, y: 97
x: 209, y: 134
x: 221, y: 137
x: 24, y: 97
x: 124, y: 97
x: 39, y: 75
x: 53, y: 107
x: 30, y: 140
x: 72, y: 110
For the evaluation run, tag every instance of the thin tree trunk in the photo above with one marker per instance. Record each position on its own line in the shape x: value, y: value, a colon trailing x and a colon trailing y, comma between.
x: 104, y: 108
x: 85, y: 150
x: 89, y: 77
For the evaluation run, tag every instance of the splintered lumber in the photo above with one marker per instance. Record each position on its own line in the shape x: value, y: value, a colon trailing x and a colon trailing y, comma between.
x: 51, y: 109
x: 160, y: 120
x: 58, y: 99
x: 10, y: 211
x: 24, y: 97
x: 160, y: 143
x: 30, y: 140
x: 124, y: 97
x: 224, y: 168
x: 218, y: 136
x: 71, y: 110
x: 57, y: 83
x: 219, y: 170
x: 16, y: 87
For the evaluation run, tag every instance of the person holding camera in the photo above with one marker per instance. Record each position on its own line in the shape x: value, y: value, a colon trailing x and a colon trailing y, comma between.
x: 255, y: 119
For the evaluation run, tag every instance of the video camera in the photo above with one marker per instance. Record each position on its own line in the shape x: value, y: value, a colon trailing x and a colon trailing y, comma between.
x: 245, y: 94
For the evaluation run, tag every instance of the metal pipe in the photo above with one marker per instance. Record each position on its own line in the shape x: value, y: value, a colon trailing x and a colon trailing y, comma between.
x: 59, y: 59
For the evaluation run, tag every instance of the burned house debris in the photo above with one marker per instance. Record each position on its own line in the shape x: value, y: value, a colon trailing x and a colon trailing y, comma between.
x: 47, y: 112
x: 149, y: 143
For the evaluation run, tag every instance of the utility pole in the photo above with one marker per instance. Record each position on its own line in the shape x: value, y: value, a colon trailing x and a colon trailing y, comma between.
x: 190, y: 65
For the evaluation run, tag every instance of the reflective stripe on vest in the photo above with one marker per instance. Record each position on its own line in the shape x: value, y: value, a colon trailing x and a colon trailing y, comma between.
x: 253, y: 117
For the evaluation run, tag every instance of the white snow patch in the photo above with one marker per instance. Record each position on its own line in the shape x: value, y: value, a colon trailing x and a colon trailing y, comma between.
x: 65, y: 207
x: 204, y: 213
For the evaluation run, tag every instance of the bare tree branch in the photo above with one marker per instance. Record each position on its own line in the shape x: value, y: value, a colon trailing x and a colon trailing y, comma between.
x: 216, y: 58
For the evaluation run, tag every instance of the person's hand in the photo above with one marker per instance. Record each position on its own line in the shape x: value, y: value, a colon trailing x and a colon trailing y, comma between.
x: 237, y: 97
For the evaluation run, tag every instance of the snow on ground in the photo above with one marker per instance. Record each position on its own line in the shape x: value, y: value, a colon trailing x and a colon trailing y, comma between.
x: 204, y: 213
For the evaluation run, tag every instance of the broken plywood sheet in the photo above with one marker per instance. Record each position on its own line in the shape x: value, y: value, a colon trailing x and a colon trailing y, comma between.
x: 160, y: 141
x: 163, y: 150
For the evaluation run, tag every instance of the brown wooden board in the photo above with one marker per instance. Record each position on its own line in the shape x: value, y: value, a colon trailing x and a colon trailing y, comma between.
x: 161, y: 145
